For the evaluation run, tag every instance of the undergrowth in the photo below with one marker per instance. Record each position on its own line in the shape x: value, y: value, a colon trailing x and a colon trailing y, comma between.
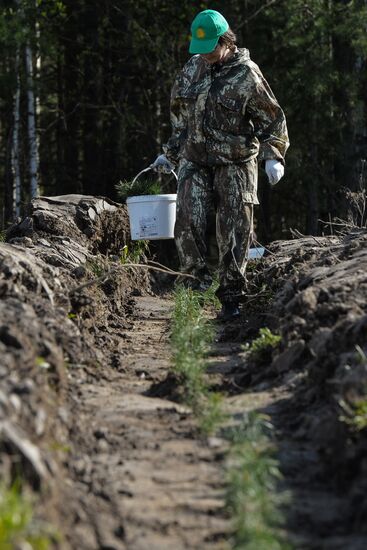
x: 96, y: 266
x: 252, y: 499
x: 190, y: 339
x: 260, y: 349
x: 134, y: 252
x: 355, y: 415
x: 209, y: 298
x: 355, y: 412
x: 18, y: 529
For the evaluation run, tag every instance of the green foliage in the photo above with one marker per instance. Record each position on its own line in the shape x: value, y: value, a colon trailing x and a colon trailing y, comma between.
x: 191, y: 335
x: 42, y: 363
x: 355, y: 412
x: 17, y: 23
x: 127, y: 189
x: 124, y: 254
x: 135, y: 252
x: 17, y: 526
x: 361, y: 356
x: 2, y: 236
x: 322, y: 44
x: 190, y: 339
x: 260, y: 349
x: 189, y: 318
x: 253, y: 501
x: 355, y: 415
x: 56, y: 446
x: 212, y: 415
x: 96, y: 267
x: 209, y: 297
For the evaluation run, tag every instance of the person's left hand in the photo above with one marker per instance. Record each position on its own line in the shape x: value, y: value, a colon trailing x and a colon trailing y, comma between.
x: 274, y: 170
x: 162, y: 164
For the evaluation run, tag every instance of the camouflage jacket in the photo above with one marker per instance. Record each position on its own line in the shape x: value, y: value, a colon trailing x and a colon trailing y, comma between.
x: 225, y: 114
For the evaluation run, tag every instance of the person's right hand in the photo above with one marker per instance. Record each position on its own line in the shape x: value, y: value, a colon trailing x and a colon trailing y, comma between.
x: 162, y: 164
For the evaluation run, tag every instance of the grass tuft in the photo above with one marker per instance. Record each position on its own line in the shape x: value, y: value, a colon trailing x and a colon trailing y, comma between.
x: 18, y: 529
x: 354, y: 414
x: 260, y: 349
x: 355, y: 410
x: 96, y: 267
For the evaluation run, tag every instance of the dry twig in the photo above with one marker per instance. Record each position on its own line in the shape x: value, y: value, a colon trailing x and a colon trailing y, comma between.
x: 107, y: 274
x: 257, y: 244
x: 256, y: 13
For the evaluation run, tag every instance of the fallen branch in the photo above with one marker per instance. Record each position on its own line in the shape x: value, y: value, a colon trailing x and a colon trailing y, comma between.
x: 297, y: 234
x: 259, y: 245
x: 107, y: 274
x: 168, y: 269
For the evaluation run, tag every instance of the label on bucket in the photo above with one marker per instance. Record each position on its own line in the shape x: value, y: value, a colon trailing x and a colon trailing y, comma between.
x: 148, y: 226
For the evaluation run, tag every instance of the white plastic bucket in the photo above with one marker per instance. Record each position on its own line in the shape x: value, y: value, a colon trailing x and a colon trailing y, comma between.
x: 152, y: 217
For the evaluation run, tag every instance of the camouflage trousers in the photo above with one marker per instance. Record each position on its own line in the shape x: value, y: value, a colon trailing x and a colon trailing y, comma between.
x: 214, y: 223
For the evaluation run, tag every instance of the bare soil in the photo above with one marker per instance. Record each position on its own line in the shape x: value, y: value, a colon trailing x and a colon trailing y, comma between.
x: 144, y: 479
x: 89, y: 413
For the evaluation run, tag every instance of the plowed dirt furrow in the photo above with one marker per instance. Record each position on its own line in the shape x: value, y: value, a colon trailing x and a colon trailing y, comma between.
x: 145, y: 480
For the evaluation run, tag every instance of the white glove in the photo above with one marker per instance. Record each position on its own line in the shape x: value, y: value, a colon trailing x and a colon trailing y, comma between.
x: 162, y: 164
x: 274, y: 170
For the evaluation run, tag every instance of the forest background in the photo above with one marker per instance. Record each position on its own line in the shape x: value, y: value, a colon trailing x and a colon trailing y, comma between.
x: 85, y: 88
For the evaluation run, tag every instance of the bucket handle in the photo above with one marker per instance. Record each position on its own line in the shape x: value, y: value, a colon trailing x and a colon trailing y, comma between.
x: 151, y: 167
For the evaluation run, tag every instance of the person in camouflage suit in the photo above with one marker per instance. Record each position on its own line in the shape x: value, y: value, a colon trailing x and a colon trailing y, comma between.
x: 225, y: 119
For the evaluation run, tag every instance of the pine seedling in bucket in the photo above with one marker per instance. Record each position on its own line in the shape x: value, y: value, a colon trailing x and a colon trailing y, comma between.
x: 137, y: 188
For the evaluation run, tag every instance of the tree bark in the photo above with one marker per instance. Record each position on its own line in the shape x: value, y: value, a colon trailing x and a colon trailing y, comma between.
x: 15, y: 151
x: 32, y: 131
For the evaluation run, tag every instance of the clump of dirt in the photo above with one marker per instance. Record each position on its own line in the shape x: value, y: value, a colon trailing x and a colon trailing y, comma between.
x: 56, y: 325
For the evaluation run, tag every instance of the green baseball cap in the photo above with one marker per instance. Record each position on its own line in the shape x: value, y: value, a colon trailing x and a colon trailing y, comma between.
x: 206, y: 29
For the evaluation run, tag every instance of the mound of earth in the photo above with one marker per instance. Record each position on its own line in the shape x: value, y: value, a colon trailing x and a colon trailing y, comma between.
x: 312, y: 292
x: 57, y: 326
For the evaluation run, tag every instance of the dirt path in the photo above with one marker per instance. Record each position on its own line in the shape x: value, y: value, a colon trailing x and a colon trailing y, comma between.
x: 143, y: 478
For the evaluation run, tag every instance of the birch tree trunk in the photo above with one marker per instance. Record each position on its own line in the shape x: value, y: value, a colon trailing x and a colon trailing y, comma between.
x: 32, y: 132
x: 15, y: 153
x: 38, y: 79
